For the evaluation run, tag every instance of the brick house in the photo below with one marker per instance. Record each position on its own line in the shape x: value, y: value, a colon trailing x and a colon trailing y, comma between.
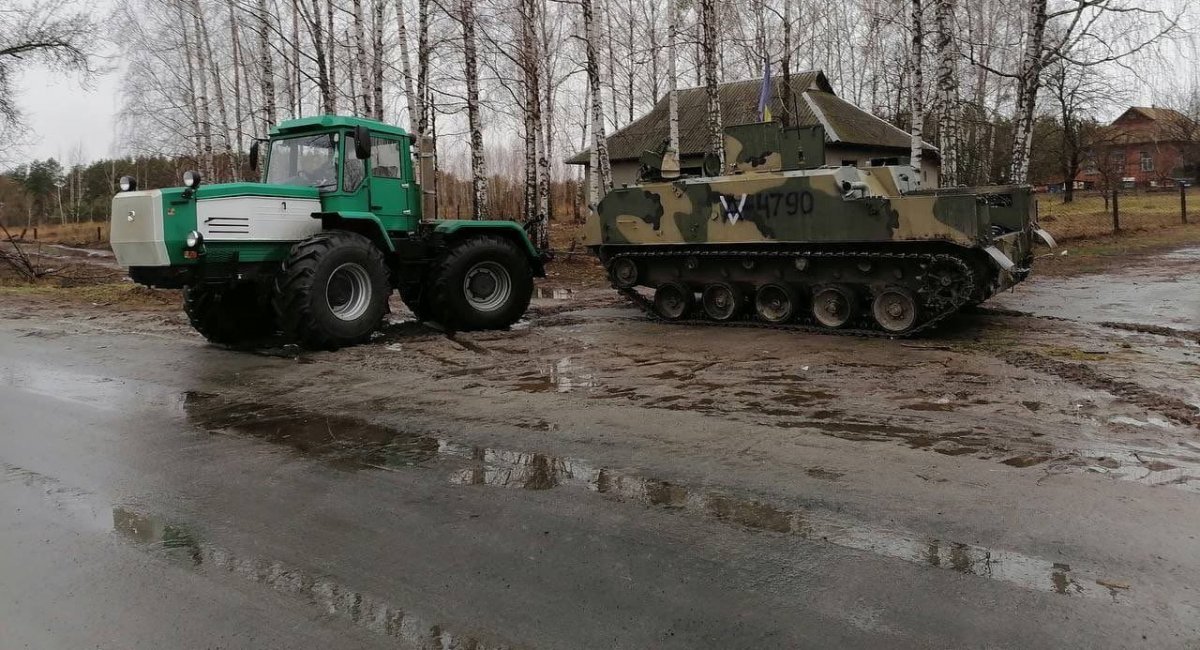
x: 1146, y: 147
x: 853, y: 136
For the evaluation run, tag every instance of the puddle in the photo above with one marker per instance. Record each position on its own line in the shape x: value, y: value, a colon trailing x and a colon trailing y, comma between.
x: 562, y: 376
x: 553, y: 293
x: 354, y: 444
x: 95, y: 391
x: 178, y: 543
x: 533, y: 471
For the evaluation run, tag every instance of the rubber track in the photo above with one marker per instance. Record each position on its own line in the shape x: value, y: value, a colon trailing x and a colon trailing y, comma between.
x: 648, y: 306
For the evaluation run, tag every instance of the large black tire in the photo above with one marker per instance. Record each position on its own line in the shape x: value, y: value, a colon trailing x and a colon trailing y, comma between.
x: 332, y: 290
x: 458, y: 295
x: 235, y: 315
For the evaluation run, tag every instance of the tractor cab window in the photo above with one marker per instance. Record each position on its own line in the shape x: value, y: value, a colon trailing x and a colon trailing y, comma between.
x: 385, y: 158
x: 353, y: 171
x: 309, y: 160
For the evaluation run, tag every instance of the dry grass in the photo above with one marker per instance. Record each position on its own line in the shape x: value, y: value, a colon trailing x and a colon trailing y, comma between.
x: 82, y: 235
x: 1087, y: 216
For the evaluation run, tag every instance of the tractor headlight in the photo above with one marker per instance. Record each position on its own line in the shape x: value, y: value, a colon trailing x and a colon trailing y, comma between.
x: 127, y: 184
x: 191, y: 179
x: 193, y: 240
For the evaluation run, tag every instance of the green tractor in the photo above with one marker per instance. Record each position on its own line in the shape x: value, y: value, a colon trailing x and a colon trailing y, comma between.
x: 315, y: 251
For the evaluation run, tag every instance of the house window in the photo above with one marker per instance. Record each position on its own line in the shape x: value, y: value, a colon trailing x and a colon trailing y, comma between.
x: 1116, y: 160
x: 1147, y: 162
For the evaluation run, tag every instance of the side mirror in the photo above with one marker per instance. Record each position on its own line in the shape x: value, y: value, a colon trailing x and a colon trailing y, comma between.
x: 254, y: 156
x: 362, y: 142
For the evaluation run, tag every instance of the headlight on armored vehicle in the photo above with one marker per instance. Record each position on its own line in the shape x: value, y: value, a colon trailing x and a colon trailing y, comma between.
x: 191, y: 179
x: 127, y: 184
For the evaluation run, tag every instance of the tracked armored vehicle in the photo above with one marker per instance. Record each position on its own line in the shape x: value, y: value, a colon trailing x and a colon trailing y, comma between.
x: 773, y: 237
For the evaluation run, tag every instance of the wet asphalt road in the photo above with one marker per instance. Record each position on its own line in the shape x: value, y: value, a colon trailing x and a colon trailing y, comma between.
x: 152, y: 498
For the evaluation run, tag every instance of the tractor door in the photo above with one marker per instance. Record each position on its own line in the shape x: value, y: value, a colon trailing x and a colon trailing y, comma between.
x: 391, y: 184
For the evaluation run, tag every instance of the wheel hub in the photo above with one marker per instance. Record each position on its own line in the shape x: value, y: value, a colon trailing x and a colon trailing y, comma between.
x: 487, y: 286
x: 348, y: 292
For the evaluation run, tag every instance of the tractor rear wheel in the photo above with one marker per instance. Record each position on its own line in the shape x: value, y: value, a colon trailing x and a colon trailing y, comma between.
x: 481, y: 283
x: 238, y: 314
x: 332, y: 290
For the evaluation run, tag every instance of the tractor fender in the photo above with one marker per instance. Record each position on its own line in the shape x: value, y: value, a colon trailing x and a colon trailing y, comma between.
x: 448, y: 229
x: 366, y: 224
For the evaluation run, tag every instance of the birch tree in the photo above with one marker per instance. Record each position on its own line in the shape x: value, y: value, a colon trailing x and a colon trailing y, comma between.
x: 947, y: 90
x: 708, y: 44
x: 601, y: 168
x: 479, y: 180
x: 916, y: 66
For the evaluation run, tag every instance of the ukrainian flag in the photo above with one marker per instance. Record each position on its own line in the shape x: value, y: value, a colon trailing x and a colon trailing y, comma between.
x: 764, y: 96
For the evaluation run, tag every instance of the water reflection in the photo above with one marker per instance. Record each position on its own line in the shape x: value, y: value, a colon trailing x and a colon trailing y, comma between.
x: 178, y: 543
x: 354, y: 444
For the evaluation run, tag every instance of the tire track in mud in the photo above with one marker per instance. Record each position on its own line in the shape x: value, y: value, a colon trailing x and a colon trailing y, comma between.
x: 1159, y: 330
x: 1171, y: 407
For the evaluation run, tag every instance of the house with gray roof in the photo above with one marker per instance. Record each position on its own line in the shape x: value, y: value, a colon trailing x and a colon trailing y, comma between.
x: 853, y: 136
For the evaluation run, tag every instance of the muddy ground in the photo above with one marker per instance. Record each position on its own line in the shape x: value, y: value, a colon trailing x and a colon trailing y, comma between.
x: 1026, y: 476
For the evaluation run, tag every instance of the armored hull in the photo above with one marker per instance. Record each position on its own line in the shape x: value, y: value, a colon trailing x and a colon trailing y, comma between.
x: 848, y: 249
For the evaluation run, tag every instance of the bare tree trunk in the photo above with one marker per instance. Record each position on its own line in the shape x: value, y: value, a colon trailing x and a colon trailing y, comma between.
x: 917, y: 108
x: 316, y: 33
x: 423, y: 64
x: 544, y: 60
x: 268, y: 66
x: 360, y: 58
x: 947, y: 81
x: 1028, y: 82
x: 789, y: 101
x: 671, y: 163
x: 528, y: 64
x: 601, y: 171
x: 377, y: 59
x: 202, y: 107
x: 237, y: 91
x: 297, y: 90
x: 334, y: 92
x: 479, y: 181
x: 192, y: 103
x: 414, y: 104
x: 216, y: 77
x: 708, y: 23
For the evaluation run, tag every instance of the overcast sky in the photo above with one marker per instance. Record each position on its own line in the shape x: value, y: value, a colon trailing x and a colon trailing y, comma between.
x: 62, y: 115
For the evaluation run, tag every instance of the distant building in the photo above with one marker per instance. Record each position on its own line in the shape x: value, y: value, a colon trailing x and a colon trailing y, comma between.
x: 1146, y: 147
x: 853, y: 136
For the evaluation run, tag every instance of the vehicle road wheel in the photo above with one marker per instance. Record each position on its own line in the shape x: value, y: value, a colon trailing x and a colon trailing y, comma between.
x: 482, y: 283
x: 776, y: 303
x: 238, y: 314
x: 624, y: 272
x: 721, y: 301
x: 332, y: 291
x: 673, y: 301
x: 833, y: 306
x: 895, y: 310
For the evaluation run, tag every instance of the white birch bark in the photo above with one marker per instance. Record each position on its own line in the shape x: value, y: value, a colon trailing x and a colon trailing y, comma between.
x: 601, y: 171
x: 947, y: 83
x: 360, y: 57
x: 268, y: 67
x: 708, y: 45
x: 916, y: 79
x: 410, y: 98
x: 1028, y: 83
x: 671, y: 161
x: 479, y: 180
x: 202, y: 106
x: 222, y: 112
x: 377, y: 60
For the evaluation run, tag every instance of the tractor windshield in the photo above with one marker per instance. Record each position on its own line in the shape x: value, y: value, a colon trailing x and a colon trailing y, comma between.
x: 309, y: 160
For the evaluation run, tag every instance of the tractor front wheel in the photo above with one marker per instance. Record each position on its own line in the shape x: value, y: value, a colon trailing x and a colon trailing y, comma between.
x: 481, y: 283
x: 332, y: 290
x: 237, y: 314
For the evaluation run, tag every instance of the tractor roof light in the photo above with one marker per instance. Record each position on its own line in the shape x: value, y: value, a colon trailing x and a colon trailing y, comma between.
x: 127, y: 184
x: 191, y: 179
